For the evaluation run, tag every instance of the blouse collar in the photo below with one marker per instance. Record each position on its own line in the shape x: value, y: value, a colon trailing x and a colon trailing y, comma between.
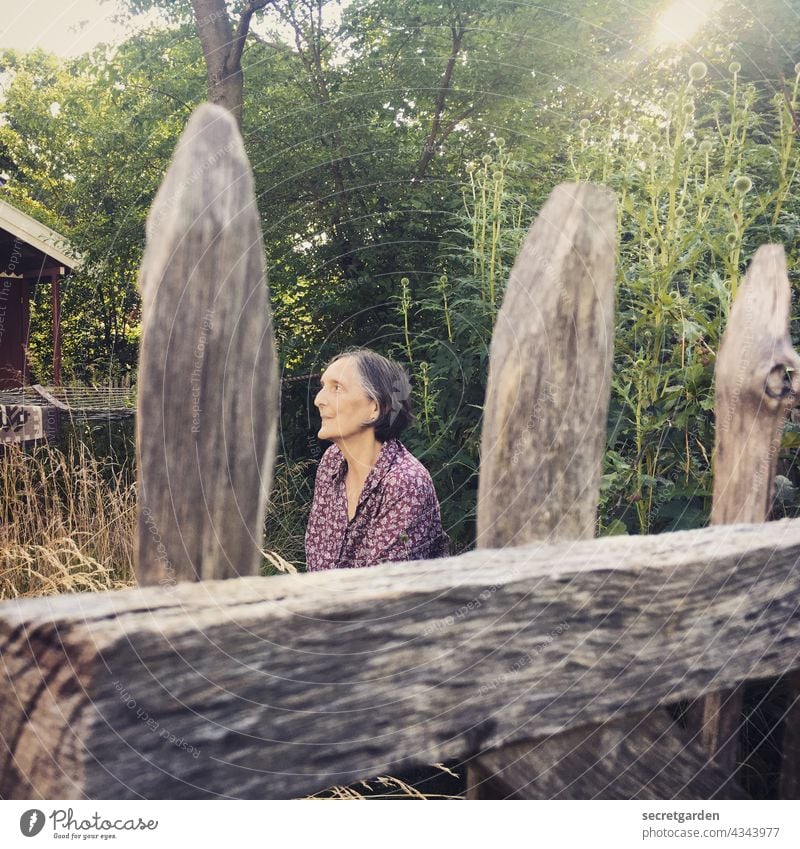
x: 390, y: 451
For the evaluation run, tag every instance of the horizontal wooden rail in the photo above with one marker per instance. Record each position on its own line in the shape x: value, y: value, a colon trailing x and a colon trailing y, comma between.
x: 278, y: 687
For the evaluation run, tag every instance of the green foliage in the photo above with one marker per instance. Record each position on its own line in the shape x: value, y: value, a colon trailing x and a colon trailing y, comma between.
x: 368, y: 133
x: 447, y: 351
x: 86, y: 144
x: 702, y: 179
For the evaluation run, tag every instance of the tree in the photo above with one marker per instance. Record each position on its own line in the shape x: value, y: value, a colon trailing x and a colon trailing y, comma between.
x: 86, y: 143
x: 223, y: 45
x: 222, y: 29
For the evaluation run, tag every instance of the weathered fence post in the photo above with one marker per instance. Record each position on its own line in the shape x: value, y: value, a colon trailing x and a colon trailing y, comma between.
x: 790, y: 766
x: 208, y: 381
x: 546, y: 407
x: 547, y: 400
x: 757, y: 377
x: 557, y: 332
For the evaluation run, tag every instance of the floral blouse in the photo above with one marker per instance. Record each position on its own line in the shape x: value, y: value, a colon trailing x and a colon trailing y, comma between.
x: 397, y: 516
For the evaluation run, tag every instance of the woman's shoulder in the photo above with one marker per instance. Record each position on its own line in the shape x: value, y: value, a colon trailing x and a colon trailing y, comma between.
x: 331, y: 459
x: 408, y: 471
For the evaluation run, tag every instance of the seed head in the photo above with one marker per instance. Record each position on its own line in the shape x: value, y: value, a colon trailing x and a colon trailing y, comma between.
x: 734, y: 68
x: 584, y: 124
x: 742, y: 185
x: 697, y: 71
x: 486, y: 159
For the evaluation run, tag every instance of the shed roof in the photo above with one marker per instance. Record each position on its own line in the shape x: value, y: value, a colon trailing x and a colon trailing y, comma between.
x: 37, y: 235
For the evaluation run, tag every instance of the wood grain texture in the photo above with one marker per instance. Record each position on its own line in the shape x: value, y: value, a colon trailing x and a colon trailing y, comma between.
x: 548, y: 488
x: 644, y: 756
x: 286, y: 685
x: 208, y: 381
x: 757, y: 377
x: 549, y: 376
x: 547, y: 402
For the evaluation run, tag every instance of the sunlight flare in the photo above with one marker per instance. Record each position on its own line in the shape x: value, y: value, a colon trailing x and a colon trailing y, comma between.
x: 681, y: 20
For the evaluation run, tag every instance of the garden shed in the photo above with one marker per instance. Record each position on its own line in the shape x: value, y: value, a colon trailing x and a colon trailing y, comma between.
x: 30, y: 254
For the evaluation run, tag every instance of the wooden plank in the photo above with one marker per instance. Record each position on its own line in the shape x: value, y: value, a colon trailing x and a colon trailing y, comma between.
x: 286, y: 685
x: 50, y: 398
x: 208, y: 380
x: 644, y: 756
x: 547, y: 396
x: 55, y: 318
x: 757, y: 377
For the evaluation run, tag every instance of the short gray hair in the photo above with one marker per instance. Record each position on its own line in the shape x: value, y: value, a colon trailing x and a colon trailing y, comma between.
x: 387, y: 383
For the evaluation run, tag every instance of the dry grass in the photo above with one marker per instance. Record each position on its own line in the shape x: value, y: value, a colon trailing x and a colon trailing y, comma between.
x: 383, y: 787
x: 66, y: 523
x: 68, y: 519
x: 59, y: 567
x: 287, y: 515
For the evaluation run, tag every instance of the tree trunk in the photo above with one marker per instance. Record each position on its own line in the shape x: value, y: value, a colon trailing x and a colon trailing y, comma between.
x: 222, y: 50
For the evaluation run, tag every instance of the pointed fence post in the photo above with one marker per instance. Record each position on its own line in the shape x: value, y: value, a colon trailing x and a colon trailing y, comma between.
x: 549, y: 382
x: 757, y: 378
x: 208, y: 380
x: 547, y: 399
x: 541, y: 455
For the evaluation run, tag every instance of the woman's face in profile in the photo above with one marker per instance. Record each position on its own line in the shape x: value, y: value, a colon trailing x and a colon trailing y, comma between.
x: 342, y: 402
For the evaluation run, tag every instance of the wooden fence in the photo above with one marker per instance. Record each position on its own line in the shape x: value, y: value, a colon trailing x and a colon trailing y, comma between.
x: 544, y: 658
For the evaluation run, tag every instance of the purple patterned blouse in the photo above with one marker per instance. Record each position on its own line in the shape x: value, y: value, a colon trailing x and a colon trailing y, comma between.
x: 397, y: 517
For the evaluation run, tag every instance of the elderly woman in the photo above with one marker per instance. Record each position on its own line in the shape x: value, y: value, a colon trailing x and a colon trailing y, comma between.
x: 373, y: 500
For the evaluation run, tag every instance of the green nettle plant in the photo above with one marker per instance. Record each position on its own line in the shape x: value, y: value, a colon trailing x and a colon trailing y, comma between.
x: 495, y: 218
x: 702, y: 179
x: 448, y: 360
